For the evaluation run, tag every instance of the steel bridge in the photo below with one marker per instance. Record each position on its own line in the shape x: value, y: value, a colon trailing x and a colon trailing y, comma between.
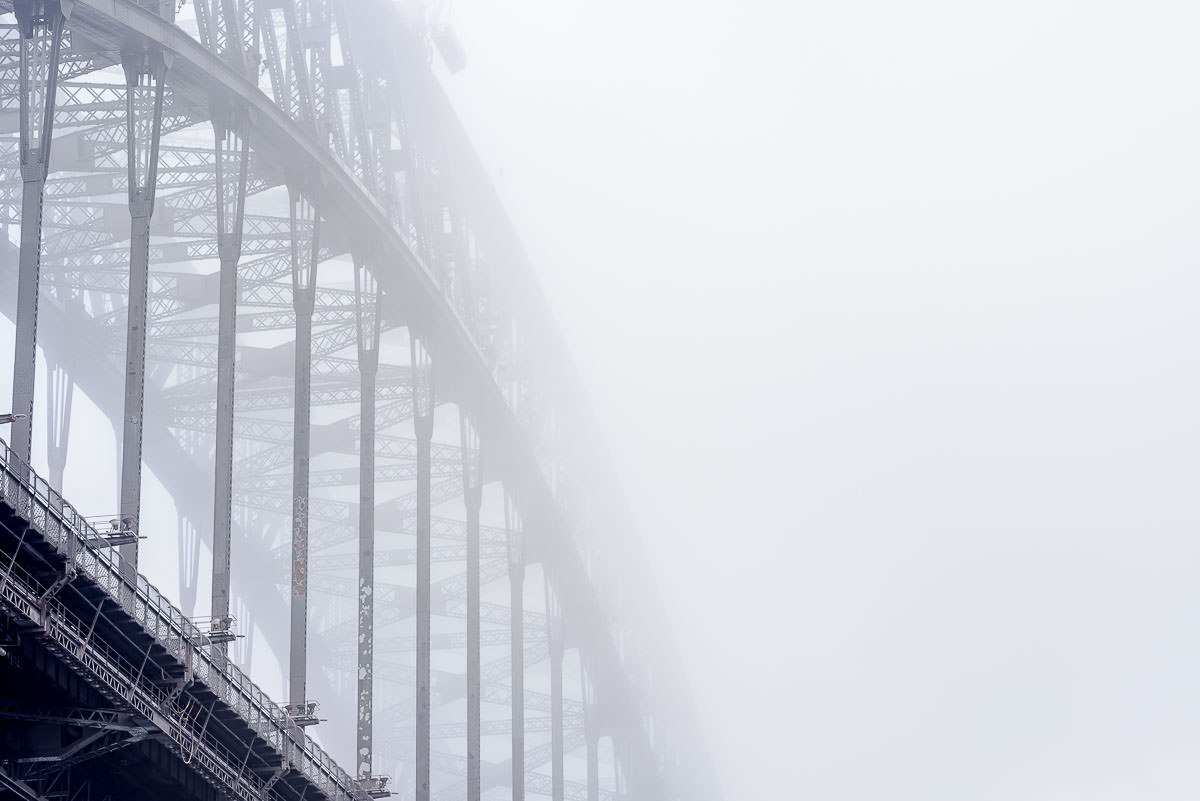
x: 255, y: 236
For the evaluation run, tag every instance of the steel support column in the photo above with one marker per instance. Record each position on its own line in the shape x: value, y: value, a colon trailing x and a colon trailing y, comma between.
x: 40, y: 28
x: 144, y: 73
x: 555, y: 634
x: 423, y: 406
x: 232, y: 152
x: 516, y: 586
x: 366, y: 290
x: 620, y: 782
x: 304, y: 225
x: 473, y: 496
x: 593, y: 768
x: 591, y: 727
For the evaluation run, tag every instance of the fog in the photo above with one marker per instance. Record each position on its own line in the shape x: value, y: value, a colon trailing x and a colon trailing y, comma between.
x: 887, y: 311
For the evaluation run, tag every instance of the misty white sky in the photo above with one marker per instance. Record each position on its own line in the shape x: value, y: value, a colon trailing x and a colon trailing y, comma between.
x: 889, y: 312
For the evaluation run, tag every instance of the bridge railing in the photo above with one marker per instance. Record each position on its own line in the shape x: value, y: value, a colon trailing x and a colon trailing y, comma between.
x: 73, y: 639
x: 65, y: 528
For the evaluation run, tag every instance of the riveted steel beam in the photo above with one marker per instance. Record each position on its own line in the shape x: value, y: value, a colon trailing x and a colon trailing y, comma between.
x: 145, y: 73
x: 473, y: 496
x: 368, y: 329
x: 305, y: 231
x: 516, y: 605
x: 231, y: 132
x: 423, y: 409
x: 555, y: 635
x: 40, y: 26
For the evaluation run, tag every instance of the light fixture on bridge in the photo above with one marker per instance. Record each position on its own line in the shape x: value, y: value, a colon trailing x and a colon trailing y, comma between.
x: 218, y: 630
x: 12, y: 417
x: 120, y: 531
x: 303, y: 713
x: 375, y: 786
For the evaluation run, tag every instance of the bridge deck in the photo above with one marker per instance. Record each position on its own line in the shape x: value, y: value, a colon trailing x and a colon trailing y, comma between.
x: 143, y: 656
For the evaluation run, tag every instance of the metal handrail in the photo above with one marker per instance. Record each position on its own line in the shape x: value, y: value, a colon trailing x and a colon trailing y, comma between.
x: 67, y: 530
x: 20, y: 590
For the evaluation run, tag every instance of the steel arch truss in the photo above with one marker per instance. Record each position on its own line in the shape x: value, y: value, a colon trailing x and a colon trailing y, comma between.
x: 295, y: 133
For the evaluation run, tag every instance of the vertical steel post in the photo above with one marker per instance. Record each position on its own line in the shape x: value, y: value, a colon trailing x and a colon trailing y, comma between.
x: 555, y: 634
x: 220, y: 31
x: 473, y: 496
x: 591, y: 728
x: 516, y: 586
x: 620, y: 780
x: 304, y: 224
x: 422, y: 376
x: 39, y: 27
x: 366, y: 290
x: 232, y: 151
x: 144, y: 73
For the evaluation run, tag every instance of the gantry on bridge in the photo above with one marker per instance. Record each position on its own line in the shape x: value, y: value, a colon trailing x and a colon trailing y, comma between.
x: 255, y: 235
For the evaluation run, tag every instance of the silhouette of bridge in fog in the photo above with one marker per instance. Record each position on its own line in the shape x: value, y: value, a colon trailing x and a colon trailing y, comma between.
x: 255, y: 236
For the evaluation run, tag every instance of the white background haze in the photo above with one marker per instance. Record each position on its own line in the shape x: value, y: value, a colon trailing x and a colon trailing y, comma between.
x: 888, y: 311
